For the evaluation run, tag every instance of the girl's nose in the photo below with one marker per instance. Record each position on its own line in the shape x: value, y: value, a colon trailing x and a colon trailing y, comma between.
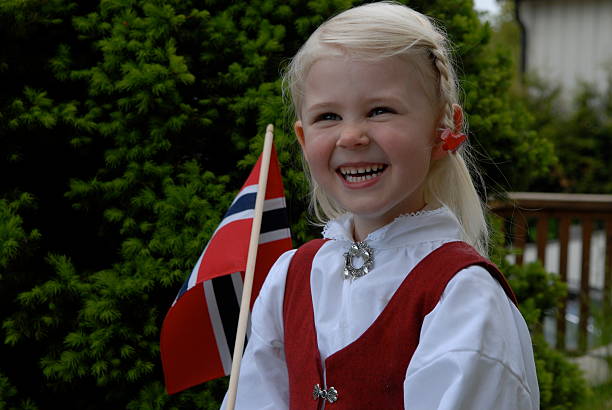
x: 352, y: 136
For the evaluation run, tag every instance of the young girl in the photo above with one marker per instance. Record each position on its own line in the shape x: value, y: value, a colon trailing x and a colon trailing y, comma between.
x: 396, y: 307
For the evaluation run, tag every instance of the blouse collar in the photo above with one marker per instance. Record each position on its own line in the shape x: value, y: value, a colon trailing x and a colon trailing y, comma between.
x: 418, y: 227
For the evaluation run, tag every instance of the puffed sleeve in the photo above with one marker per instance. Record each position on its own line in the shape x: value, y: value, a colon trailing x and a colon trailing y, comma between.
x: 263, y: 382
x: 474, y: 351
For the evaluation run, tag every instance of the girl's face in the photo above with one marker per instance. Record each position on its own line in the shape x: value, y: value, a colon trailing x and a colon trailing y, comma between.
x: 368, y: 132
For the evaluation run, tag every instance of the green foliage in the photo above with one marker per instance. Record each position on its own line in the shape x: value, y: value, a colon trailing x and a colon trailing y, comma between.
x: 579, y: 127
x: 8, y: 393
x: 13, y: 239
x: 532, y: 153
x: 599, y: 399
x: 562, y: 385
x: 539, y: 292
x: 126, y: 128
x: 582, y: 135
x: 12, y: 234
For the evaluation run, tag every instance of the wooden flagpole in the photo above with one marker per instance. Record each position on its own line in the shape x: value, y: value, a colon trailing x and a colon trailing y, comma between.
x: 250, y: 268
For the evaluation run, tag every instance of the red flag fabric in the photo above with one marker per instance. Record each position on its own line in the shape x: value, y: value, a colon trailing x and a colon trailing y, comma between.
x: 199, y: 331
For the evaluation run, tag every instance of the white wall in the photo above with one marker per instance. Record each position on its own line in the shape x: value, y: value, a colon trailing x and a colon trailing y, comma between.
x: 568, y: 40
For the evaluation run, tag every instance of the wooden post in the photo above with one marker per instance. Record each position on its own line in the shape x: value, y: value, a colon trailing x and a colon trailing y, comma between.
x: 542, y: 238
x: 587, y: 230
x: 607, y: 289
x: 564, y: 226
x: 520, y: 236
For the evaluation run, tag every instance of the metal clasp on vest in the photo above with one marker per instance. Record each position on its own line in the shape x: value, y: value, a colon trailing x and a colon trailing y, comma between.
x: 331, y: 394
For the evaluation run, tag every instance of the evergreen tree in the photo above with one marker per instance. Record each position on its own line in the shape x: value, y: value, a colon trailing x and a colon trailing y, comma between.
x: 126, y: 128
x: 582, y: 135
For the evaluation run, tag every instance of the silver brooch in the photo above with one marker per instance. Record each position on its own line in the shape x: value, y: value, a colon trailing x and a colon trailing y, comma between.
x: 358, y: 250
x: 331, y: 394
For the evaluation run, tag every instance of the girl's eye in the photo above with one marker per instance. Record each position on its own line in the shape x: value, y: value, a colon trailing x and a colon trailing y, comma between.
x: 380, y: 110
x: 328, y: 116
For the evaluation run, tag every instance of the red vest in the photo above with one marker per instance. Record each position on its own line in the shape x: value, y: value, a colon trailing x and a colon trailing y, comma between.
x: 368, y: 373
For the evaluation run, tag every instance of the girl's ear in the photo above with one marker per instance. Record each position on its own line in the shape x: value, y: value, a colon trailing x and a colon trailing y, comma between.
x: 299, y: 132
x: 437, y: 152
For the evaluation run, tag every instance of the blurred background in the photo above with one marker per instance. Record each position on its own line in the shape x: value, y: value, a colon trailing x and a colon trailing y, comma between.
x: 127, y: 127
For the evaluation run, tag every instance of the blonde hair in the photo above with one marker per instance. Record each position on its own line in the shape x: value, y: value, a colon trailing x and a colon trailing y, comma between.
x: 376, y: 31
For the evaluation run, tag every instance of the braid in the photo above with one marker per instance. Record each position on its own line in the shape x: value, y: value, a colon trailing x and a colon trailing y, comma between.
x: 448, y: 85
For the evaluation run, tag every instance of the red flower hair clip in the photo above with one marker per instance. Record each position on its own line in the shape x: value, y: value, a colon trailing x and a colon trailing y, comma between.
x: 452, y: 140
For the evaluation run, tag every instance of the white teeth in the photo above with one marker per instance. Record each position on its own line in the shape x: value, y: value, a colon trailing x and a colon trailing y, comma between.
x: 351, y: 171
x: 372, y: 171
x: 351, y: 178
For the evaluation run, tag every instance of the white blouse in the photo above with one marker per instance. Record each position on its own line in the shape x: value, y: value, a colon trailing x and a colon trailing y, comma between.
x: 474, y: 350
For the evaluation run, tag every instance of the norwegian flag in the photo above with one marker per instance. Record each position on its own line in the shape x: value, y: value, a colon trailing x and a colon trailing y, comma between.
x: 199, y: 331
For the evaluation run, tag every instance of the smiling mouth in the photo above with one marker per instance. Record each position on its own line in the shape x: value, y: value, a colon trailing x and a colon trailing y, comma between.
x: 361, y: 174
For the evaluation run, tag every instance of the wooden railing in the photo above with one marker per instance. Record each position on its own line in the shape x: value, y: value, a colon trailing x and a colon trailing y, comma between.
x: 522, y: 210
